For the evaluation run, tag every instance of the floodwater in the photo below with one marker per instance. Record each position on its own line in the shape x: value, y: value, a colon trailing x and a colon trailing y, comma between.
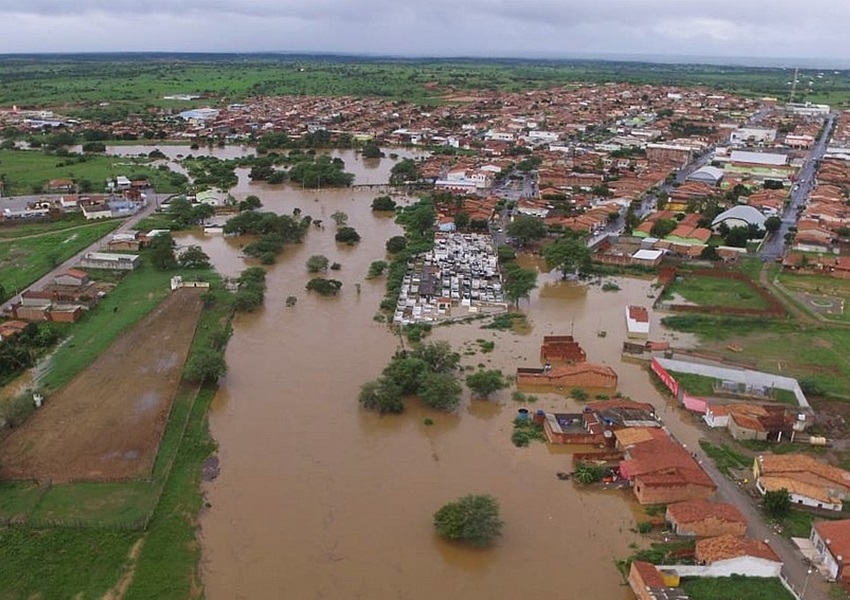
x: 319, y: 499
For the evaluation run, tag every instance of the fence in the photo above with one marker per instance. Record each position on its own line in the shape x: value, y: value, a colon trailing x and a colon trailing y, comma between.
x: 668, y: 277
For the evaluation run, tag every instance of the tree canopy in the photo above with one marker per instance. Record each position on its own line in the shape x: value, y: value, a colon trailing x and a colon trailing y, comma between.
x: 518, y: 282
x: 525, y: 228
x: 484, y: 383
x: 473, y: 519
x: 569, y: 255
x: 382, y: 395
x: 347, y: 235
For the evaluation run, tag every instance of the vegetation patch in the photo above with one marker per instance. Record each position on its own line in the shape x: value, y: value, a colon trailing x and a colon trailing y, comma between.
x: 25, y: 260
x: 736, y: 586
x: 526, y: 430
x: 726, y: 458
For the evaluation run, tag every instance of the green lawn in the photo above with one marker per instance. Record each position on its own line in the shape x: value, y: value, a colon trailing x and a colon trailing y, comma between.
x: 26, y: 260
x: 18, y: 499
x: 736, y: 587
x: 27, y: 171
x: 11, y: 231
x: 715, y: 291
x: 697, y: 385
x: 125, y: 505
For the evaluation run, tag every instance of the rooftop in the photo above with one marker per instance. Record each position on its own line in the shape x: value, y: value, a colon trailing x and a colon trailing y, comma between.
x: 699, y: 510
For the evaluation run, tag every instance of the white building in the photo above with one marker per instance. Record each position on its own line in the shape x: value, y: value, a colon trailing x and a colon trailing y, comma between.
x: 831, y: 541
x: 752, y: 136
x: 637, y: 321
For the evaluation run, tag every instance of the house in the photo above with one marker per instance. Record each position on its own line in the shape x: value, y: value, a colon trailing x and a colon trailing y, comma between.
x: 809, y: 481
x: 565, y: 377
x: 560, y: 349
x: 650, y: 583
x: 699, y: 518
x: 637, y: 321
x: 662, y: 472
x: 646, y: 257
x: 60, y: 185
x: 764, y: 422
x: 124, y: 241
x: 831, y: 540
x: 716, y: 416
x: 738, y: 555
x: 73, y: 277
x: 115, y: 262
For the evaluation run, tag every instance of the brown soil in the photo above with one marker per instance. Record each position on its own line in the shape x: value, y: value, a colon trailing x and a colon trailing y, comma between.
x: 107, y: 423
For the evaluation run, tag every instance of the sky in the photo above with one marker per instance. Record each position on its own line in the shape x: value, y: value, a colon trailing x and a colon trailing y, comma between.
x: 778, y: 32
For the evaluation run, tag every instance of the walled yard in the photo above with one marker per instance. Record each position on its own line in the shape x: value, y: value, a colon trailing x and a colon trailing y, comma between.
x: 459, y: 277
x: 714, y: 291
x: 107, y: 423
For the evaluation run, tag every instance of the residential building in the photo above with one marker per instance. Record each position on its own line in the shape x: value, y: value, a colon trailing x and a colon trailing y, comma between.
x: 699, y: 518
x: 662, y: 472
x: 115, y: 262
x: 649, y: 583
x: 637, y: 321
x: 831, y: 540
x: 738, y: 555
x: 809, y: 481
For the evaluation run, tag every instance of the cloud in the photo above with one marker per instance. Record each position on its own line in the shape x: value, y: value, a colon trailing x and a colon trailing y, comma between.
x: 554, y: 28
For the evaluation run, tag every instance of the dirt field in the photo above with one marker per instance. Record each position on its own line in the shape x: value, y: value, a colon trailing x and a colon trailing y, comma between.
x: 107, y: 423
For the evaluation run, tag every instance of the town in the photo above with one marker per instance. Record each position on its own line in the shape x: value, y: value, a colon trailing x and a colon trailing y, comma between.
x: 671, y: 211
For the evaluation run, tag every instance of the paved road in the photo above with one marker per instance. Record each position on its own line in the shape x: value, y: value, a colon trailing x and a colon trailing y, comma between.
x: 774, y: 247
x: 795, y: 568
x: 154, y: 201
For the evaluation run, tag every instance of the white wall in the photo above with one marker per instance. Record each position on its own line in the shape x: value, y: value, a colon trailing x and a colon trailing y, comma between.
x: 745, y: 565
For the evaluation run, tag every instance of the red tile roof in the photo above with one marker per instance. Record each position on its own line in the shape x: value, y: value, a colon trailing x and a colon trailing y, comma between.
x: 730, y: 546
x: 700, y: 510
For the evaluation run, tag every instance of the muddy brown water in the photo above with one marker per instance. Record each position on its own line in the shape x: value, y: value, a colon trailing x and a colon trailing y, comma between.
x: 319, y: 499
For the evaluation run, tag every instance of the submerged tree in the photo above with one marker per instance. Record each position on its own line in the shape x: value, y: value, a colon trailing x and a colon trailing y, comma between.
x: 473, y: 519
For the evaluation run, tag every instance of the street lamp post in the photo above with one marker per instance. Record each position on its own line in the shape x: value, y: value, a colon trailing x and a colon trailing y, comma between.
x: 806, y: 584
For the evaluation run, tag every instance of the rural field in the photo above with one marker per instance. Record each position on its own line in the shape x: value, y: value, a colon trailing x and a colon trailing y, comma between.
x: 107, y: 423
x: 714, y: 291
x: 27, y: 171
x: 109, y: 87
x: 24, y: 259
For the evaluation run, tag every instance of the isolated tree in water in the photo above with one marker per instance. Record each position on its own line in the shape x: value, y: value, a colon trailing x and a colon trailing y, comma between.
x: 473, y: 519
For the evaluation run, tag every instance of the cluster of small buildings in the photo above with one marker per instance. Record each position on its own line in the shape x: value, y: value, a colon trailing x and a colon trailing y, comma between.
x: 458, y: 277
x: 125, y: 198
x: 63, y: 301
x: 565, y: 367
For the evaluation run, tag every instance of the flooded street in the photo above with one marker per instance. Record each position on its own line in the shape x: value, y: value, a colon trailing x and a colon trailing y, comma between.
x: 319, y: 499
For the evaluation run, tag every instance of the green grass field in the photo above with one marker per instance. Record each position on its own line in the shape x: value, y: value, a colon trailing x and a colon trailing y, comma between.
x: 736, y: 587
x: 715, y: 291
x: 108, y: 87
x: 697, y: 385
x: 726, y: 458
x: 23, y: 261
x: 27, y: 171
x: 819, y: 356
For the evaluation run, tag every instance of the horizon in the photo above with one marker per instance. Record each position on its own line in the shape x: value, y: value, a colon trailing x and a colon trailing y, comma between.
x: 757, y: 62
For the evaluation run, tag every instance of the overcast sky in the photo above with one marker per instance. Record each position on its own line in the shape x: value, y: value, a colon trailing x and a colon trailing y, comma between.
x: 814, y: 29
